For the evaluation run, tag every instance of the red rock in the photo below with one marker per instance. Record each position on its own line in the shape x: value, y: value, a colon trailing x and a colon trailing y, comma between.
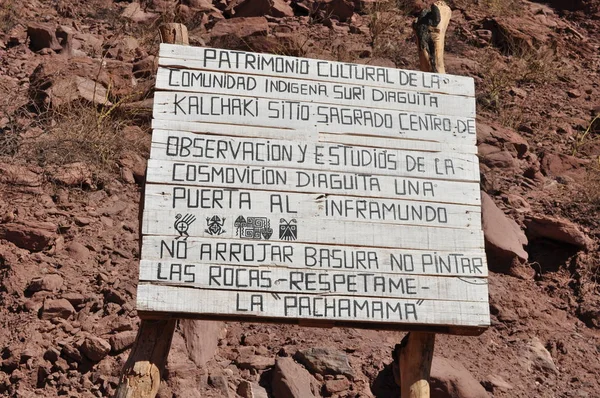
x: 135, y: 13
x: 52, y: 354
x: 42, y: 36
x: 495, y: 382
x: 281, y: 9
x: 201, y: 339
x: 240, y: 28
x: 452, y: 380
x: 258, y: 8
x: 537, y: 357
x: 77, y: 251
x: 136, y: 164
x: 51, y: 283
x: 493, y: 156
x: 72, y: 174
x: 71, y: 352
x: 60, y: 308
x: 114, y: 296
x: 122, y: 341
x: 145, y: 67
x: 58, y: 81
x: 558, y: 229
x: 29, y: 235
x: 291, y: 380
x: 95, y: 348
x: 219, y: 381
x: 342, y: 10
x: 201, y: 5
x: 502, y: 138
x: 504, y: 240
x: 336, y: 386
x: 325, y: 361
x: 18, y: 175
x: 560, y: 165
x: 74, y: 298
x: 113, y: 209
x: 258, y: 362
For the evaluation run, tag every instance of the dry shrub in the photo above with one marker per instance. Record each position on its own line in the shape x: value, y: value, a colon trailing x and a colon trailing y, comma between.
x: 587, y: 137
x: 391, y: 31
x: 526, y: 67
x: 502, y: 7
x: 79, y: 132
x: 8, y: 16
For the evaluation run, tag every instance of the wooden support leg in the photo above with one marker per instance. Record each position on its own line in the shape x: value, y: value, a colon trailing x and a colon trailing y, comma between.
x: 412, y: 364
x: 142, y: 373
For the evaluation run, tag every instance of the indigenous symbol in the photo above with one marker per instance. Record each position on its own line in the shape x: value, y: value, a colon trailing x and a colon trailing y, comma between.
x: 253, y: 227
x: 182, y: 224
x: 288, y: 230
x: 215, y: 225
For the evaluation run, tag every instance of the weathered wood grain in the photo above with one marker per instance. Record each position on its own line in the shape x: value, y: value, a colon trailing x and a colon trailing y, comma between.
x: 231, y: 204
x: 321, y: 70
x: 294, y: 255
x: 205, y: 81
x: 155, y: 297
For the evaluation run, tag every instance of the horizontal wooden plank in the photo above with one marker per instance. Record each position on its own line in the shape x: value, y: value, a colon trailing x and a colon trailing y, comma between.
x: 220, y: 108
x: 236, y: 130
x: 205, y: 81
x: 321, y: 182
x: 230, y: 204
x: 396, y: 143
x: 261, y: 227
x: 321, y: 134
x: 302, y: 256
x: 312, y: 69
x: 155, y: 297
x: 197, y: 148
x: 272, y: 279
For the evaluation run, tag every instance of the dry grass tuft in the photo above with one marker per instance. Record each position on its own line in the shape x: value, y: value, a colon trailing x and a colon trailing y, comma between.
x: 80, y: 132
x: 526, y: 67
x: 8, y: 16
x: 391, y: 32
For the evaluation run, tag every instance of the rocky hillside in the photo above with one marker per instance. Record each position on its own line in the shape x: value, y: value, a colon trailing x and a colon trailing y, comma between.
x: 76, y: 87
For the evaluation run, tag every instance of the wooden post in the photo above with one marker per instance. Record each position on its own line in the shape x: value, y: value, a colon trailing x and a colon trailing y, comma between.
x: 140, y: 378
x: 430, y: 28
x: 174, y: 33
x: 413, y: 356
x: 142, y: 373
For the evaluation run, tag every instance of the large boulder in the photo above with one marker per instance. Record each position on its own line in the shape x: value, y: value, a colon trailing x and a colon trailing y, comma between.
x: 42, y: 36
x: 29, y: 235
x: 57, y: 81
x: 557, y: 229
x: 291, y: 380
x: 562, y: 165
x: 201, y: 339
x: 504, y: 240
x: 325, y: 361
x: 259, y: 8
x: 239, y: 28
x: 449, y: 379
x: 241, y: 34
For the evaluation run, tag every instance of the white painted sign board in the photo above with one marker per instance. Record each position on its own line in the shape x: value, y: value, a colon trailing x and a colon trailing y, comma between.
x: 296, y: 190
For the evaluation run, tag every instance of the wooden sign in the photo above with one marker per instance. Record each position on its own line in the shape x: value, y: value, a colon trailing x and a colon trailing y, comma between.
x: 296, y: 190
